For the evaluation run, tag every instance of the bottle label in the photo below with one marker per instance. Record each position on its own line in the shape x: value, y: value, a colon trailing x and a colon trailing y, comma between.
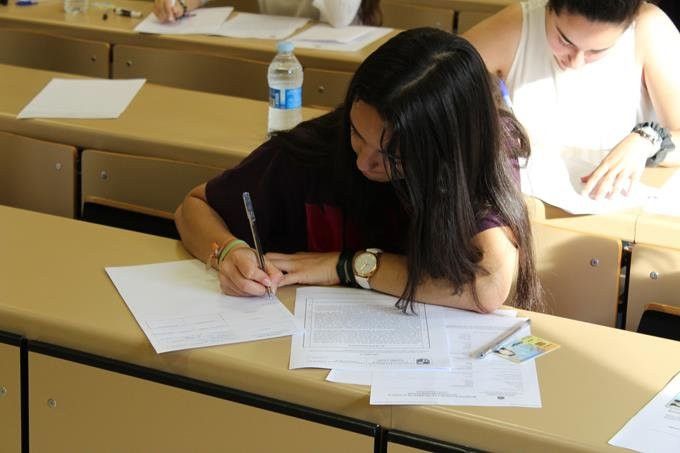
x: 281, y: 98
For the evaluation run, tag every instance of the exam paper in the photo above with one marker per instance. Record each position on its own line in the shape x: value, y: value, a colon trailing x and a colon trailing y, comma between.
x: 656, y: 427
x: 179, y: 305
x: 201, y: 21
x: 491, y: 381
x: 365, y: 377
x: 82, y: 98
x: 344, y: 39
x: 556, y: 179
x: 261, y: 26
x: 359, y: 329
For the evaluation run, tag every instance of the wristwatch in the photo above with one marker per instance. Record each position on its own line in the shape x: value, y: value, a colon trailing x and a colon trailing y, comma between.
x: 365, y: 264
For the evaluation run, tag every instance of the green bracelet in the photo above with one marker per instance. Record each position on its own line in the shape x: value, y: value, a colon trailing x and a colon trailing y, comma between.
x: 228, y: 248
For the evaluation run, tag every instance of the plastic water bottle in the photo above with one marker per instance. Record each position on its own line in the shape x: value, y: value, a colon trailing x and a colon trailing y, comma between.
x: 285, y: 89
x: 75, y: 6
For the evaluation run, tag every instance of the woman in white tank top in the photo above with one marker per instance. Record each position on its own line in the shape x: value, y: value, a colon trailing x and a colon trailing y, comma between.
x: 338, y: 13
x: 583, y: 74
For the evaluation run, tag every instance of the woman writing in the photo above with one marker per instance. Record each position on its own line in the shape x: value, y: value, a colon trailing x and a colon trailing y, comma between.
x: 338, y: 13
x: 592, y: 75
x: 409, y: 189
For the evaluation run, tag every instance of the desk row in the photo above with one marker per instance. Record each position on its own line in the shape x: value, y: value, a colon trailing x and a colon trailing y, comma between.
x: 43, y: 37
x: 93, y: 376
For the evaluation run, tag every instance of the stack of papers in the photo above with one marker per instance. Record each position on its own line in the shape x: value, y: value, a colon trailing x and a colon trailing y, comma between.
x: 348, y: 39
x: 201, y: 21
x: 421, y: 358
x: 178, y: 305
x: 260, y: 26
x: 78, y: 98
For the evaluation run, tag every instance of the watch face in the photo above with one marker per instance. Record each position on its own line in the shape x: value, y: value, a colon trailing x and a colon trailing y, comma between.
x: 365, y: 264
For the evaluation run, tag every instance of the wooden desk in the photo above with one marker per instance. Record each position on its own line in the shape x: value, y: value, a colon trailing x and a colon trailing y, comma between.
x: 191, y: 61
x: 589, y: 388
x: 165, y: 136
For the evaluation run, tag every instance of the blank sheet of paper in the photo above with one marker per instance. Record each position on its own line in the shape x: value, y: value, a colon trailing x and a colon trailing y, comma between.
x: 179, y: 305
x: 82, y: 98
x: 201, y: 21
x: 261, y: 26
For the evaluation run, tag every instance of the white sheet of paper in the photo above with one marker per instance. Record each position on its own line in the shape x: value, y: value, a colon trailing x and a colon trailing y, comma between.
x: 82, y: 98
x: 179, y: 305
x: 260, y: 26
x: 656, y: 427
x: 344, y: 39
x: 491, y: 381
x: 358, y: 329
x: 666, y: 200
x: 201, y: 21
x: 555, y: 179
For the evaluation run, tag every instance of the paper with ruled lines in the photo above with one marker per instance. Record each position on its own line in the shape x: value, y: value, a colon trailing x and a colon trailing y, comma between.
x: 178, y: 305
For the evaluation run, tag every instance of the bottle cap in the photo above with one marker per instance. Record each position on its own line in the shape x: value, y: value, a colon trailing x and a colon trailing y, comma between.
x: 285, y: 46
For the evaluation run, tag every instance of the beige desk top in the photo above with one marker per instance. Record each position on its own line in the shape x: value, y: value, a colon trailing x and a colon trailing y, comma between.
x: 170, y: 123
x: 55, y: 290
x: 458, y: 5
x: 49, y: 17
x: 626, y: 225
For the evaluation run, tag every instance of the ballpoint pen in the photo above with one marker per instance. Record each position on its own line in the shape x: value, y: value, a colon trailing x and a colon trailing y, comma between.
x: 127, y: 12
x: 499, y: 340
x: 250, y: 212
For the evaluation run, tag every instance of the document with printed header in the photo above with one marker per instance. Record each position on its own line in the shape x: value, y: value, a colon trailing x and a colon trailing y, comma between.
x: 490, y: 381
x: 656, y: 427
x: 179, y: 305
x: 360, y: 329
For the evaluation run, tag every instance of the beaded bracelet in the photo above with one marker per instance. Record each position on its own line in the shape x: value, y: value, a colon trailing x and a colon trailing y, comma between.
x: 659, y: 137
x: 219, y: 253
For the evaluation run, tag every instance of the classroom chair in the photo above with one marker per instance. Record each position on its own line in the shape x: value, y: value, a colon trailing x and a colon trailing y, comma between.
x: 661, y: 321
x: 654, y: 276
x: 580, y: 273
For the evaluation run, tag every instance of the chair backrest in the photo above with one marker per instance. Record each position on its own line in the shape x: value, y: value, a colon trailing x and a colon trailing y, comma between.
x: 580, y: 273
x: 661, y: 321
x: 654, y: 276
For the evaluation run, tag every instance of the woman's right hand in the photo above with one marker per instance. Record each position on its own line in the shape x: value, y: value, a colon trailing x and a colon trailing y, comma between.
x: 240, y: 275
x: 167, y: 10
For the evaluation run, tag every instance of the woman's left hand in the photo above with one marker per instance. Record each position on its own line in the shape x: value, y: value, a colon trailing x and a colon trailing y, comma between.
x: 307, y: 268
x: 620, y: 170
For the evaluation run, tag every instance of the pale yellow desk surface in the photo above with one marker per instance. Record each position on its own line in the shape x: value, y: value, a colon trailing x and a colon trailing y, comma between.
x: 49, y: 17
x: 625, y: 225
x: 458, y: 5
x: 170, y: 123
x: 55, y: 290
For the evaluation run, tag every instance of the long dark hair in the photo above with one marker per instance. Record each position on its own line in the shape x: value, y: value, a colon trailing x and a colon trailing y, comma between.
x: 456, y: 148
x: 370, y: 13
x: 612, y: 11
x: 436, y: 97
